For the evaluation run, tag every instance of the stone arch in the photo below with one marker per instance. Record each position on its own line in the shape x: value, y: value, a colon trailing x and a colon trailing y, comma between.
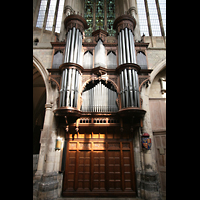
x: 44, y: 73
x: 157, y: 69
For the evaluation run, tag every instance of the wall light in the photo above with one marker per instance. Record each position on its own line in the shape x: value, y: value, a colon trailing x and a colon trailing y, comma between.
x: 58, y: 144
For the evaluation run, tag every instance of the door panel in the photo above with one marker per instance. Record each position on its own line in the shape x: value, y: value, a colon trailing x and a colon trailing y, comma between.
x: 99, y: 167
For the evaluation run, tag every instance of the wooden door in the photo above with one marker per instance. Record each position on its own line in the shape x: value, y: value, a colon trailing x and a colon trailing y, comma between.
x: 160, y: 146
x: 98, y: 167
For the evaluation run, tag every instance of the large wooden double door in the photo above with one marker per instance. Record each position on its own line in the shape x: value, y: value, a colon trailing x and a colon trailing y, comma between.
x: 99, y: 167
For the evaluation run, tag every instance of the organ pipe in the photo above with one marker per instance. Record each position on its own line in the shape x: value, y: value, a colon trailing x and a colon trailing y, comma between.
x: 72, y: 45
x: 137, y: 88
x: 122, y: 89
x: 72, y: 87
x: 120, y: 48
x: 131, y: 49
x: 68, y: 88
x: 126, y: 87
x: 76, y: 46
x: 130, y: 86
x: 64, y: 86
x: 127, y: 46
x: 123, y: 48
x: 67, y: 52
x: 134, y: 88
x: 76, y: 88
x: 80, y: 61
x: 61, y: 91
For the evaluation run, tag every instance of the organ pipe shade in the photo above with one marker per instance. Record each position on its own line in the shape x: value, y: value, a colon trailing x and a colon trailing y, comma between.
x: 99, y: 98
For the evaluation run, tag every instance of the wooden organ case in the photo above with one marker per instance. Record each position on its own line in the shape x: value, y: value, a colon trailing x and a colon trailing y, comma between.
x: 99, y: 106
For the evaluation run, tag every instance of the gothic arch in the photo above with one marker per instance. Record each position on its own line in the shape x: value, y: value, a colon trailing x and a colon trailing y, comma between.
x: 44, y: 73
x: 101, y: 78
x: 157, y: 69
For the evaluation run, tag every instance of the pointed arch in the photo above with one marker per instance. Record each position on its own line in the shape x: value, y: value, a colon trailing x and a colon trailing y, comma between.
x: 44, y: 73
x: 157, y: 69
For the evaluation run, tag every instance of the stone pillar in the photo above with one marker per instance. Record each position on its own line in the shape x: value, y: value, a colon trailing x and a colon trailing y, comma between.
x: 149, y: 177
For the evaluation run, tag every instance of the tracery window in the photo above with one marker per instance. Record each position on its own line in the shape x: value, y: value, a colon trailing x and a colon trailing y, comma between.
x: 100, y: 14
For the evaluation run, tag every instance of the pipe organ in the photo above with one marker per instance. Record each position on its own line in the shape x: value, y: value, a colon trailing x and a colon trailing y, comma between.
x: 107, y: 89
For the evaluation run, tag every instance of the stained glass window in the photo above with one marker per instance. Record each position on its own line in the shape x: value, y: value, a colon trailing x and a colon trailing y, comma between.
x: 100, y: 14
x: 110, y: 16
x: 89, y: 16
x: 99, y: 17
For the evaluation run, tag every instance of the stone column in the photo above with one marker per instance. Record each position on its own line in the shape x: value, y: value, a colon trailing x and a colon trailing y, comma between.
x: 149, y: 177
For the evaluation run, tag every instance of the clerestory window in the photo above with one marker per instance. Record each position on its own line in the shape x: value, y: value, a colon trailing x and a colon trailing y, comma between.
x: 52, y: 11
x: 100, y: 14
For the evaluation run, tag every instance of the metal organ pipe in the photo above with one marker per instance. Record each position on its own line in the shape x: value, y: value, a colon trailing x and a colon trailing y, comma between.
x: 67, y: 52
x: 72, y: 87
x: 76, y: 46
x: 127, y: 46
x: 64, y: 87
x: 131, y: 43
x: 67, y: 46
x: 130, y: 86
x: 72, y: 45
x: 126, y: 87
x: 80, y: 50
x: 61, y: 90
x: 120, y: 48
x: 123, y: 48
x: 133, y: 47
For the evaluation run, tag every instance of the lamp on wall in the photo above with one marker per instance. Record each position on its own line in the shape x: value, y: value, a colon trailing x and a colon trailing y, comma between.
x: 58, y: 144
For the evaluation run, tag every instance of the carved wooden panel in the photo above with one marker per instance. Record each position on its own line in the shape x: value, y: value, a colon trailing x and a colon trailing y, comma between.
x: 101, y: 165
